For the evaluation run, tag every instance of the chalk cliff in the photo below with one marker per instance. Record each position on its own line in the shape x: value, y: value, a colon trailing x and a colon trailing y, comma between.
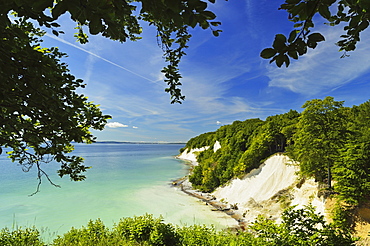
x: 267, y: 190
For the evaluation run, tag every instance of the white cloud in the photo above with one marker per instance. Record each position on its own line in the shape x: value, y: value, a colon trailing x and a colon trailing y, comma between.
x: 100, y: 57
x: 218, y: 122
x: 115, y: 125
x: 135, y: 127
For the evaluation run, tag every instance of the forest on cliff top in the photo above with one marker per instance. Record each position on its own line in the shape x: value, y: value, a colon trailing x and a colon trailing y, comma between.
x: 329, y: 142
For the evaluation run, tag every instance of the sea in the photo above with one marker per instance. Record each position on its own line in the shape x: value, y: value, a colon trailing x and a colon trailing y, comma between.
x: 125, y: 180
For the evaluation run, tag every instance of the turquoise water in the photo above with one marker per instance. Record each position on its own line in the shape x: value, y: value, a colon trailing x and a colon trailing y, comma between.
x: 125, y: 180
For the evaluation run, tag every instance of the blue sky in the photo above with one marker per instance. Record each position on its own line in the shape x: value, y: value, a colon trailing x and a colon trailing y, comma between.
x: 224, y: 79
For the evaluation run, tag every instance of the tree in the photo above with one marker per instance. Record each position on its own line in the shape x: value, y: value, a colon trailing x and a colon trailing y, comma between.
x: 40, y: 112
x: 354, y: 13
x: 352, y: 172
x: 300, y: 227
x: 119, y: 20
x: 321, y: 133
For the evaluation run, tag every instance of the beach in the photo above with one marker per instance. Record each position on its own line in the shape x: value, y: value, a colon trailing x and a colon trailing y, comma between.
x: 266, y: 190
x: 207, y: 198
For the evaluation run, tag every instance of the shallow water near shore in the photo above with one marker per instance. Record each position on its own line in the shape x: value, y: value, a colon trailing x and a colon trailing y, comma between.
x: 125, y: 180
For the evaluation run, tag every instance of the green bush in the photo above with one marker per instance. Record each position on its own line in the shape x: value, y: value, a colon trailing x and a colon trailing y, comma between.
x: 20, y: 237
x: 201, y: 235
x: 147, y: 229
x: 300, y: 227
x: 96, y: 233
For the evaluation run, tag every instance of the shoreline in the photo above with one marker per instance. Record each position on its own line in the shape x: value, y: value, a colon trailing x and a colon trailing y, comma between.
x: 185, y: 186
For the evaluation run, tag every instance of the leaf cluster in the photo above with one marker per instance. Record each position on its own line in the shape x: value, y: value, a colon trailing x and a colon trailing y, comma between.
x: 300, y: 227
x: 121, y: 20
x: 332, y: 142
x: 40, y: 111
x: 21, y: 237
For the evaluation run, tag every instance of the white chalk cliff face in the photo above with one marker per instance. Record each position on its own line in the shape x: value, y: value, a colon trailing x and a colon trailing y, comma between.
x: 191, y: 155
x: 267, y: 190
x: 260, y: 184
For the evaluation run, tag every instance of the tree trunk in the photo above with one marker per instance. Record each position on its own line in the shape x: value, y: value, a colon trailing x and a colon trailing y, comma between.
x: 329, y: 176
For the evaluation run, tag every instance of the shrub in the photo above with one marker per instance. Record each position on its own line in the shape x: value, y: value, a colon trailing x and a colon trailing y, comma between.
x: 147, y: 229
x: 96, y: 233
x: 20, y: 237
x: 300, y: 227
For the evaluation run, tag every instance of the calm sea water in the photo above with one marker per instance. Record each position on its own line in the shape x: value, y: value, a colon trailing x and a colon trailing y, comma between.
x: 125, y: 180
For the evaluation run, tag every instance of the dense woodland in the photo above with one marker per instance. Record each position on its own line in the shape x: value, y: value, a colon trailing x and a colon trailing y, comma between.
x: 330, y: 142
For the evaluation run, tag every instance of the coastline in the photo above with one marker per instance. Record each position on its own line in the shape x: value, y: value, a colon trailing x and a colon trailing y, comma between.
x: 184, y: 185
x: 265, y: 190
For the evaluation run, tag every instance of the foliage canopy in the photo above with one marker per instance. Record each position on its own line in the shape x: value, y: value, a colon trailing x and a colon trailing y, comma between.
x: 298, y: 227
x: 120, y: 20
x: 41, y: 112
x: 328, y: 141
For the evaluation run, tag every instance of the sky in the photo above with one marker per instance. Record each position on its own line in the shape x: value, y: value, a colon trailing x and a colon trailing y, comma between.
x: 224, y: 78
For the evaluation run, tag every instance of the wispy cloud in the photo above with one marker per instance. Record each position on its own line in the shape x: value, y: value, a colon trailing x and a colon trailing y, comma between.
x: 115, y: 125
x: 321, y: 70
x: 101, y: 58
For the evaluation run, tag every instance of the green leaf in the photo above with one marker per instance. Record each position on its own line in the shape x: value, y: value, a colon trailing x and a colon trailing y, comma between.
x: 363, y: 25
x: 279, y: 42
x: 297, y: 9
x: 204, y: 24
x: 293, y: 54
x: 324, y: 11
x: 192, y: 20
x: 209, y: 15
x: 297, y: 25
x: 286, y: 60
x: 95, y: 25
x: 54, y: 24
x: 316, y: 37
x: 216, y: 33
x: 292, y: 36
x: 281, y: 59
x: 268, y: 53
x: 215, y: 23
x: 354, y: 21
x: 59, y: 9
x: 311, y: 44
x: 201, y: 6
x: 301, y: 47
